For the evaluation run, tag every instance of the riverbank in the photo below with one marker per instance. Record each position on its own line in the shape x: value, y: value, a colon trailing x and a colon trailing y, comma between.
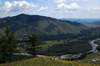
x: 94, y: 46
x: 70, y: 56
x: 94, y: 43
x: 94, y: 50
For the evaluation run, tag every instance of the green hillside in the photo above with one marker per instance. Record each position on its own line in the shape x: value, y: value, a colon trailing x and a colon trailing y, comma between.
x: 47, y: 61
x: 27, y: 24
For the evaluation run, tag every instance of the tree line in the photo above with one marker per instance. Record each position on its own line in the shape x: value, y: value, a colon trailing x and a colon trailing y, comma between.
x: 8, y: 45
x: 91, y: 33
x: 81, y: 45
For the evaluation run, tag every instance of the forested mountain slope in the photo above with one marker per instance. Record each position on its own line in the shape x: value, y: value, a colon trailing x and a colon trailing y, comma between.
x: 27, y: 24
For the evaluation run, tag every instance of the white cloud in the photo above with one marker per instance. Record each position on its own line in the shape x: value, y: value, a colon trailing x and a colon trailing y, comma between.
x: 59, y: 1
x: 60, y: 6
x: 71, y: 7
x: 93, y: 9
x: 80, y: 0
x: 28, y: 11
x: 34, y: 12
x: 64, y: 1
x: 17, y: 6
x: 43, y: 8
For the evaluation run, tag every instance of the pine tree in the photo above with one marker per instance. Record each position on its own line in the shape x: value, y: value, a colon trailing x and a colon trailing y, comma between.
x: 34, y: 42
x: 3, y: 50
x: 8, y: 43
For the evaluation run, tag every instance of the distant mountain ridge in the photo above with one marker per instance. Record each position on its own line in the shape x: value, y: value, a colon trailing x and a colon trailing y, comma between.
x: 96, y: 22
x: 83, y: 21
x: 24, y: 24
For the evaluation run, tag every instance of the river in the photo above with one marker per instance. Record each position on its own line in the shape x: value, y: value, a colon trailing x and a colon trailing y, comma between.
x: 94, y: 46
x: 94, y: 49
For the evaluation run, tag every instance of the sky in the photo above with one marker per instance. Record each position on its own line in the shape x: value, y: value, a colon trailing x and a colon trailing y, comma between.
x: 51, y: 8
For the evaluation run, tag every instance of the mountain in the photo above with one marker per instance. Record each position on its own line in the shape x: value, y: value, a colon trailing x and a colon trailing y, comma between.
x: 96, y: 23
x: 83, y: 21
x: 24, y: 24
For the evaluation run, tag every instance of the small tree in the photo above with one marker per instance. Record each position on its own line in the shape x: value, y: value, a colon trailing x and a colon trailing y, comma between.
x: 8, y: 43
x: 34, y: 42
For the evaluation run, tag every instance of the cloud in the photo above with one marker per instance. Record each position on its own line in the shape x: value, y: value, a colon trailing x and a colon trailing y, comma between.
x: 34, y: 12
x: 43, y: 8
x: 64, y: 1
x: 93, y: 9
x: 71, y: 7
x: 60, y: 6
x: 80, y: 0
x: 17, y: 6
x: 59, y: 1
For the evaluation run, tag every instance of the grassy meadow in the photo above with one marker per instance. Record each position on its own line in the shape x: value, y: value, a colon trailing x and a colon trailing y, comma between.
x: 47, y: 61
x: 92, y: 58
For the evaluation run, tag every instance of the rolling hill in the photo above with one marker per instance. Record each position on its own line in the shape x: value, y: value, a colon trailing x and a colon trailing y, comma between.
x: 24, y: 24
